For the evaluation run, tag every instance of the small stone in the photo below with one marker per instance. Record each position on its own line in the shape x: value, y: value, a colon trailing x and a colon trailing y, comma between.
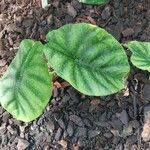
x: 4, y: 140
x: 61, y: 123
x: 147, y: 113
x: 108, y: 135
x: 145, y: 92
x: 50, y: 19
x: 11, y: 130
x: 127, y: 131
x: 148, y: 14
x: 81, y: 132
x: 65, y: 98
x: 70, y: 129
x: 73, y: 95
x: 117, y: 124
x: 80, y: 142
x: 76, y: 119
x: 65, y: 134
x: 27, y: 23
x: 131, y: 140
x: 10, y: 41
x: 3, y: 63
x: 58, y: 134
x: 93, y: 133
x: 127, y: 32
x: 146, y: 127
x: 5, y: 116
x: 106, y: 13
x: 87, y: 122
x: 95, y: 102
x: 71, y: 11
x: 50, y: 125
x: 146, y: 132
x: 115, y: 132
x: 3, y: 129
x: 63, y: 143
x: 22, y: 144
x: 119, y: 146
x: 123, y: 116
x: 22, y: 128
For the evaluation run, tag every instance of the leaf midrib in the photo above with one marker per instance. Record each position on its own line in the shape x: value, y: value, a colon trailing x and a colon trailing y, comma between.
x: 21, y: 72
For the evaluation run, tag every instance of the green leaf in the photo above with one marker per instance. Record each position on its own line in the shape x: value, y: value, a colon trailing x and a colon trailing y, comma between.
x: 93, y: 1
x: 89, y: 58
x: 140, y: 54
x: 26, y: 86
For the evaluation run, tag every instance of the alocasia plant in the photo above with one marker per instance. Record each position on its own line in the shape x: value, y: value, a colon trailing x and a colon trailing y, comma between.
x: 140, y: 54
x: 94, y: 1
x: 27, y: 85
x: 88, y: 57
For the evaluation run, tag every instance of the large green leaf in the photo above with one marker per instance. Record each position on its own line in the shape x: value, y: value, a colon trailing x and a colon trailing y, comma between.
x: 89, y: 58
x: 140, y: 54
x: 94, y: 1
x: 26, y: 86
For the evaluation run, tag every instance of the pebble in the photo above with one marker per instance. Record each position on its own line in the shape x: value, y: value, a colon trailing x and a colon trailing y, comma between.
x: 50, y: 19
x: 127, y: 32
x: 148, y: 14
x: 3, y: 129
x: 58, y: 134
x: 11, y: 130
x: 27, y: 23
x: 3, y: 63
x: 87, y: 122
x: 71, y: 11
x: 146, y: 127
x: 119, y: 146
x: 73, y: 95
x: 65, y: 98
x: 50, y: 125
x: 76, y: 119
x: 81, y: 132
x: 123, y: 116
x: 61, y: 123
x: 5, y: 117
x: 70, y: 129
x: 5, y: 140
x: 22, y: 144
x: 93, y: 133
x: 106, y: 13
x: 63, y: 143
x: 117, y: 124
x: 145, y: 92
x: 108, y: 135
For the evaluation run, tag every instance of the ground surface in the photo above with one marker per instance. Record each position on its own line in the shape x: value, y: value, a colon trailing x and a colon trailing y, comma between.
x: 71, y: 120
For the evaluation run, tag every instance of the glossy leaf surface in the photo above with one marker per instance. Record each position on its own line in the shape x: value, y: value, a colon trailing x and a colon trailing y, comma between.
x: 88, y: 57
x: 26, y: 86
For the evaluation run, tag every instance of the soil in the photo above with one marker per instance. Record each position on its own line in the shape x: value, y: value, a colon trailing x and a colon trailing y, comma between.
x: 73, y: 121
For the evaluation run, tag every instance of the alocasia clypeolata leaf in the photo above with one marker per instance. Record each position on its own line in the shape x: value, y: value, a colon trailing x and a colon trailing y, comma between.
x: 140, y: 54
x: 26, y: 86
x: 88, y: 57
x: 94, y: 1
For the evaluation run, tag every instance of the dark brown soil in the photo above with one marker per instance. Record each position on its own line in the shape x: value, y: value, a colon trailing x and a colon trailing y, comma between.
x: 72, y: 120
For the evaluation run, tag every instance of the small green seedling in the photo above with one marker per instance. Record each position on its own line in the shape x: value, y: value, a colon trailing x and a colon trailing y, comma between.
x: 94, y: 1
x: 86, y: 56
